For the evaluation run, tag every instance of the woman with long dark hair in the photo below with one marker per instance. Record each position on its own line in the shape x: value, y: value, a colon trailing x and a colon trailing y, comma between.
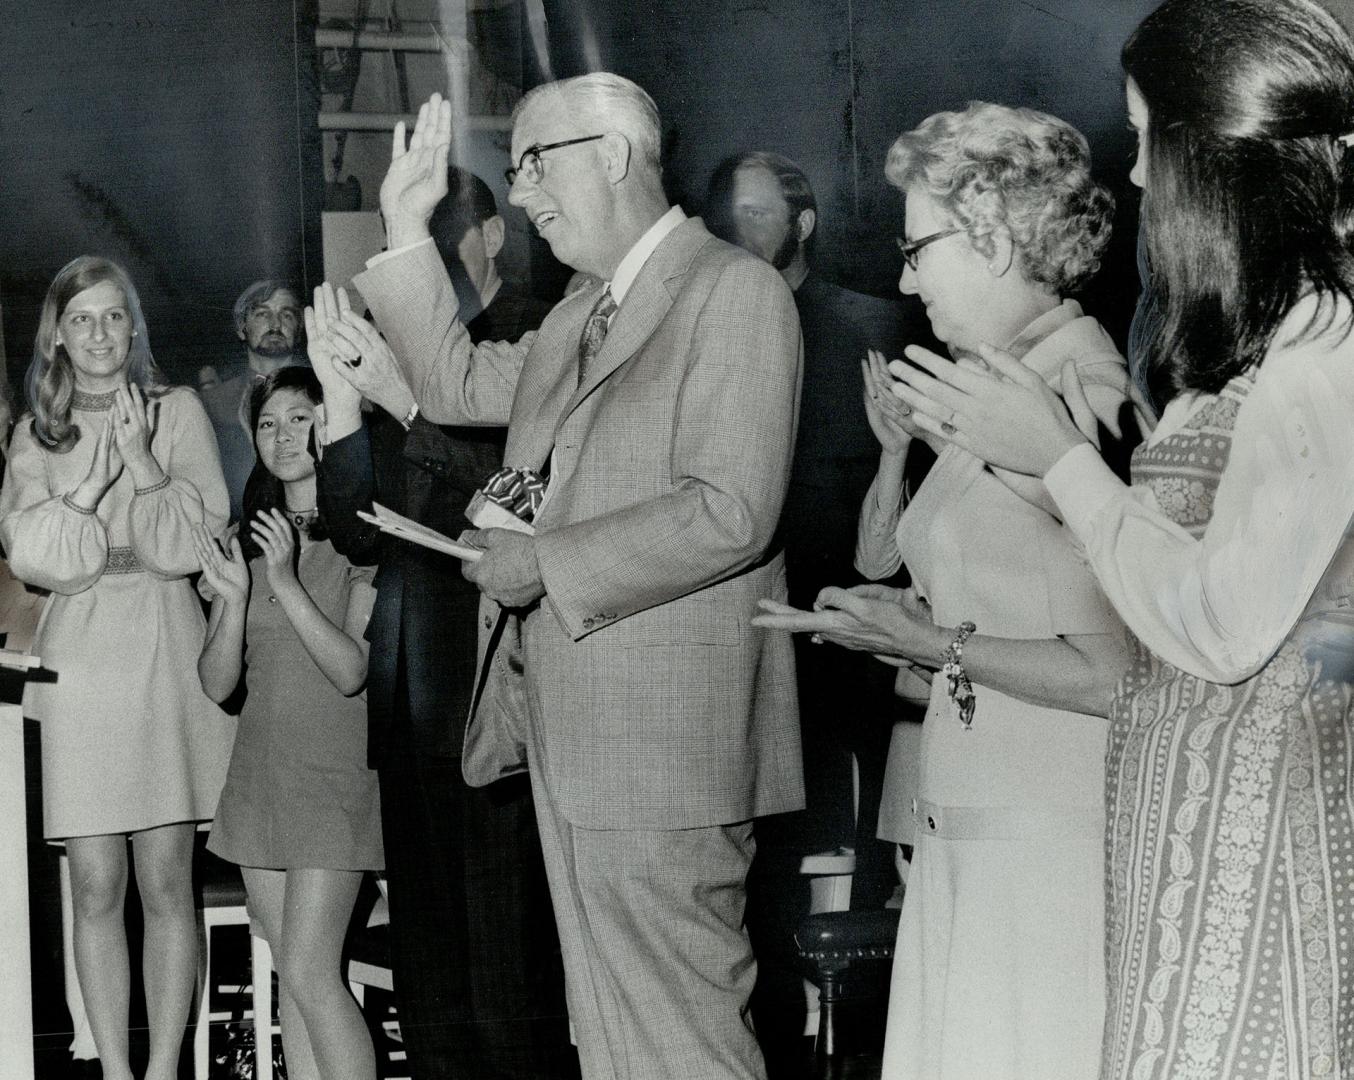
x: 1231, y: 557
x: 108, y: 474
x: 300, y: 812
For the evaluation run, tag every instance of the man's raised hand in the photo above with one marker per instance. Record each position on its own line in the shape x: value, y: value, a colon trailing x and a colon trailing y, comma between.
x: 417, y: 178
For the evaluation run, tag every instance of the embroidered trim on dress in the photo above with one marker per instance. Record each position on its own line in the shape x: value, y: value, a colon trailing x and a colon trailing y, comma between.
x: 76, y: 506
x: 164, y: 483
x: 87, y: 402
x: 123, y: 560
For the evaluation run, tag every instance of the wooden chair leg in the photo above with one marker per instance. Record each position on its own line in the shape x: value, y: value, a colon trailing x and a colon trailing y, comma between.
x: 828, y: 1065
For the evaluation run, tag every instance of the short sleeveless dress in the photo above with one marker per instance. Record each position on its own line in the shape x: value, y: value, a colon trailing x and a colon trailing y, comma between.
x: 299, y: 793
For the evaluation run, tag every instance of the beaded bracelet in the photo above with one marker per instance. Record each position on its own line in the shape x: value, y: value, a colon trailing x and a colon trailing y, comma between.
x: 958, y: 686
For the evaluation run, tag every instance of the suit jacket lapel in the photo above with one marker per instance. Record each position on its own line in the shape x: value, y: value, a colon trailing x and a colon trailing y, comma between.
x: 644, y: 307
x: 547, y: 382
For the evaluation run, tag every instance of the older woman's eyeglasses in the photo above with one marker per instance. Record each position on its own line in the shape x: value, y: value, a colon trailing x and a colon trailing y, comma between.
x: 912, y: 248
x: 529, y: 166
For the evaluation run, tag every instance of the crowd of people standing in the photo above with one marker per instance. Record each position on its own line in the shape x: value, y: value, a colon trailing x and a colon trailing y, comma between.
x: 1133, y: 797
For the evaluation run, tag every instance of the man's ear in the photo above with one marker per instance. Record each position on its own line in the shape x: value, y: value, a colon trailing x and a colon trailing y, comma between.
x: 239, y: 333
x: 493, y: 231
x: 616, y: 154
x: 808, y: 219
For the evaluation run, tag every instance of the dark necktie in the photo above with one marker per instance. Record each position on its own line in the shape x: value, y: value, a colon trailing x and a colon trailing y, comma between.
x: 594, y: 332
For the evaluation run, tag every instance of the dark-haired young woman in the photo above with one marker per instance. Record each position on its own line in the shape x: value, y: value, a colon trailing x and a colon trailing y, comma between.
x: 1230, y: 820
x: 108, y: 474
x: 300, y: 812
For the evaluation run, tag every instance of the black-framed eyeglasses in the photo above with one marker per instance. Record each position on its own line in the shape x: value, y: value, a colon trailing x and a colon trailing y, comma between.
x: 911, y: 248
x: 529, y: 164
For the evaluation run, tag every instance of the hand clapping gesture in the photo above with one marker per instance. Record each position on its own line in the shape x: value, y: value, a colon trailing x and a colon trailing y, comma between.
x: 886, y: 622
x: 375, y: 373
x: 890, y: 417
x: 272, y: 532
x: 331, y: 355
x: 1008, y: 415
x: 133, y: 426
x: 226, y: 572
x: 417, y: 178
x: 104, y: 468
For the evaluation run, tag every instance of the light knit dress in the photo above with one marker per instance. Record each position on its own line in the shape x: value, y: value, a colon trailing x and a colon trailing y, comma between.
x: 129, y: 740
x: 999, y: 971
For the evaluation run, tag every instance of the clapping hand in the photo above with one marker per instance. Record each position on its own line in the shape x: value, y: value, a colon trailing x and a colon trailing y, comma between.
x: 104, y: 468
x: 226, y: 572
x: 1008, y: 415
x: 878, y: 619
x: 375, y: 373
x: 330, y: 355
x: 133, y: 426
x: 273, y: 534
x: 417, y: 178
x: 890, y: 417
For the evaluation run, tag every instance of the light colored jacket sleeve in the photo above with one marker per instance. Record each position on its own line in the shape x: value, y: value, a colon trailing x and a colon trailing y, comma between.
x: 877, y: 554
x: 160, y: 520
x: 49, y: 543
x: 1219, y: 606
x: 731, y: 447
x: 414, y: 305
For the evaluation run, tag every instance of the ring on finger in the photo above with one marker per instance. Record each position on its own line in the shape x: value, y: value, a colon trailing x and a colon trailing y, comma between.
x: 816, y: 639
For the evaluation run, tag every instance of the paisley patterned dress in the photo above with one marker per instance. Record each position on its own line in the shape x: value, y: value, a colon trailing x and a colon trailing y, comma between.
x: 1229, y: 846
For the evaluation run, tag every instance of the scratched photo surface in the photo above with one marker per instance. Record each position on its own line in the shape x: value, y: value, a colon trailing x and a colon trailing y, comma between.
x: 207, y: 144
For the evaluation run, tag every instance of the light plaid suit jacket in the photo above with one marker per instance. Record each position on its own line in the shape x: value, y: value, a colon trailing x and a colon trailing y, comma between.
x: 659, y: 705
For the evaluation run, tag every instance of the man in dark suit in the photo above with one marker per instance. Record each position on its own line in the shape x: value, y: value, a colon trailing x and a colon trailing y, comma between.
x: 477, y: 974
x: 763, y: 202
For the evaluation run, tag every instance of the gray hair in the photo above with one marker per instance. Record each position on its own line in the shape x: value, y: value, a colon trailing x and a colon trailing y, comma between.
x: 993, y: 167
x: 610, y: 100
x: 258, y: 293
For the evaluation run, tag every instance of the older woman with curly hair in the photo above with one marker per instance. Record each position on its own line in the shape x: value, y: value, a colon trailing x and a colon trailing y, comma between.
x: 999, y: 970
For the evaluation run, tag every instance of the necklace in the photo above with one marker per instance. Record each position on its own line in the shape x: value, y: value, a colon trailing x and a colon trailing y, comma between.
x: 88, y: 402
x: 302, y: 518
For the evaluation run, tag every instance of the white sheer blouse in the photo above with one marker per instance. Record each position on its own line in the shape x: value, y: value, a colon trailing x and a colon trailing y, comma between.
x: 1219, y: 606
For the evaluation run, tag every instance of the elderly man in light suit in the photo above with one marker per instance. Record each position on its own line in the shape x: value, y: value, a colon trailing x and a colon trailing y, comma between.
x: 656, y: 721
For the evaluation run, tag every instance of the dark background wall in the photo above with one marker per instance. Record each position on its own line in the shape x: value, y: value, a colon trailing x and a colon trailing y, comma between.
x: 831, y: 83
x: 177, y: 138
x: 180, y: 138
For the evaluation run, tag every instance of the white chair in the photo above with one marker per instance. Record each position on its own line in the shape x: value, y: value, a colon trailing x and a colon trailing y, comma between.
x: 223, y: 904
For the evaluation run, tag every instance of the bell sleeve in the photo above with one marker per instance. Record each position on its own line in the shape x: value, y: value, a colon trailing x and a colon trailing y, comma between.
x: 50, y: 542
x: 193, y: 492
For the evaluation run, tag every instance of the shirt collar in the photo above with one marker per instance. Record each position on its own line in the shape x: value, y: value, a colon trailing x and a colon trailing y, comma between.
x: 638, y: 255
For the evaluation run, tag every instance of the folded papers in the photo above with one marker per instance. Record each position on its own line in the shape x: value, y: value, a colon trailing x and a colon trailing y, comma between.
x: 405, y: 528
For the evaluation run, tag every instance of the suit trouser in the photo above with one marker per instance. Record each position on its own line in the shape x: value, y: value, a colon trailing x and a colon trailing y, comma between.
x: 474, y: 954
x: 658, y: 967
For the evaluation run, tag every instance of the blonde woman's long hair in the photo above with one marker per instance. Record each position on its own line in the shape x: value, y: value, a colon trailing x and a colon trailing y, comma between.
x: 49, y: 386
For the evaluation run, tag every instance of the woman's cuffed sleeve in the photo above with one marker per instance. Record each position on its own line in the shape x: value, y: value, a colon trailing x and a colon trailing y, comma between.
x: 50, y: 541
x: 877, y: 554
x: 161, y: 518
